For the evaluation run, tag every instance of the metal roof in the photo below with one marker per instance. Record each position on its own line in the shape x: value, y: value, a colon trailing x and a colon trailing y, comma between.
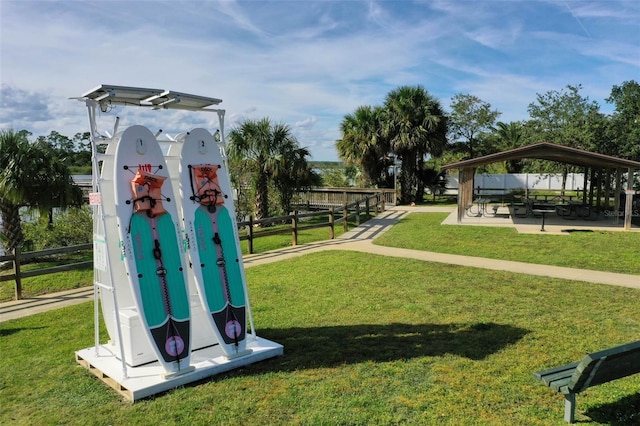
x: 552, y: 152
x: 106, y: 95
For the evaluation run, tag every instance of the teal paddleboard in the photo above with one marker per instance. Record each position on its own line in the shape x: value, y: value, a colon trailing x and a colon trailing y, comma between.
x: 147, y: 223
x: 214, y: 247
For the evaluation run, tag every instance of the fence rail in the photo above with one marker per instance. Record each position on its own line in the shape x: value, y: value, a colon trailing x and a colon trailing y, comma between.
x: 371, y: 203
x: 375, y: 202
x: 325, y: 198
x: 18, y: 258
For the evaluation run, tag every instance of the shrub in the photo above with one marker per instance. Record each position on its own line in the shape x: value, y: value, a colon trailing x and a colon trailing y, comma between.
x: 70, y: 227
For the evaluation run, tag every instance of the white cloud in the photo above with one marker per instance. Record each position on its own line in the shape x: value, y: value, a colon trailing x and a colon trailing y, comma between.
x: 306, y: 63
x: 306, y: 124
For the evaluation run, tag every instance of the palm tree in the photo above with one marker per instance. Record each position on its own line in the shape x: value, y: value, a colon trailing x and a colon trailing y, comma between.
x: 29, y: 177
x: 292, y: 173
x: 261, y: 145
x: 510, y: 137
x: 364, y: 145
x: 415, y: 125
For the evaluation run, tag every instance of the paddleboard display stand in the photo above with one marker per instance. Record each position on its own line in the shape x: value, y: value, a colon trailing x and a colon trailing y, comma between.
x: 128, y: 362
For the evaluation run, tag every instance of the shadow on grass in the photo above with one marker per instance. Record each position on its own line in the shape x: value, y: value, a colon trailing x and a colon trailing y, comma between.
x: 625, y: 411
x: 335, y: 345
x: 9, y: 331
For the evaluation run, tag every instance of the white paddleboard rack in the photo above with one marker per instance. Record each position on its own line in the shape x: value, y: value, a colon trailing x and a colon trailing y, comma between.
x: 126, y: 362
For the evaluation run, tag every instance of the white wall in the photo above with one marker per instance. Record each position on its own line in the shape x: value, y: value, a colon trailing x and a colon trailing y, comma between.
x: 511, y: 181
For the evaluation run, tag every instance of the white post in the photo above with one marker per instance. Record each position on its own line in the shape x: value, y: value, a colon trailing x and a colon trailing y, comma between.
x: 628, y: 206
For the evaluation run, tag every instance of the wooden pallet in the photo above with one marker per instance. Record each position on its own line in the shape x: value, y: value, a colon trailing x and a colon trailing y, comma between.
x: 149, y: 379
x: 112, y: 383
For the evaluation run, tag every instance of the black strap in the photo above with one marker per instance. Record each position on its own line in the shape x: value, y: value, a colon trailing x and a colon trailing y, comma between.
x: 222, y: 264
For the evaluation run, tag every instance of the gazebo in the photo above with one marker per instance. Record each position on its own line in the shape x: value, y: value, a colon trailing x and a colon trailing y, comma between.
x: 597, y: 163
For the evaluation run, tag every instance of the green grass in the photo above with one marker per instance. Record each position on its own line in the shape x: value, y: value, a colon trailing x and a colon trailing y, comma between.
x: 601, y: 251
x: 368, y: 340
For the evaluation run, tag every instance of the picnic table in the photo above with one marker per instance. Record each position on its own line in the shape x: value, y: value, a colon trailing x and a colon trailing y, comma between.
x: 579, y: 208
x: 543, y: 209
x: 482, y: 206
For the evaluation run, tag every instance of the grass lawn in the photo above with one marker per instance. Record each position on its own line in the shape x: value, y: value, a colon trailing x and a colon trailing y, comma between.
x: 600, y: 251
x: 368, y: 340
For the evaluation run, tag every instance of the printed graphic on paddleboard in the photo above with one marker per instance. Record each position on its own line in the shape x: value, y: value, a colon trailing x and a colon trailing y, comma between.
x: 214, y: 248
x: 149, y: 230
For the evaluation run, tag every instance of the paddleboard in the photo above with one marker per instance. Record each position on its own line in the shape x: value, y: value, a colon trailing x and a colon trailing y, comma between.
x: 102, y: 231
x: 148, y: 226
x: 213, y: 244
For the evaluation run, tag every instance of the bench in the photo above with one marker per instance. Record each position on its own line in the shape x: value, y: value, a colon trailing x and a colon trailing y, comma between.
x: 594, y: 369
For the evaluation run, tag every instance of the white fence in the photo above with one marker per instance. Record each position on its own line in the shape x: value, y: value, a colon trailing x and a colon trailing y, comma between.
x: 512, y: 181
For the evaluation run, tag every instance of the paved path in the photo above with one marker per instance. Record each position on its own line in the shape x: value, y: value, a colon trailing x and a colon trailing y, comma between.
x: 358, y: 239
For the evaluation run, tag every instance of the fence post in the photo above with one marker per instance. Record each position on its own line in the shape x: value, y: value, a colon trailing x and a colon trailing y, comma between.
x: 366, y: 205
x: 294, y: 229
x: 332, y: 233
x: 250, y: 235
x: 16, y: 272
x: 357, y: 213
x: 345, y: 216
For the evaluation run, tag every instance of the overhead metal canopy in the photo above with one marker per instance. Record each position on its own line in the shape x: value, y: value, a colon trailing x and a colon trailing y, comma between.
x: 106, y: 95
x: 551, y: 152
x: 177, y: 100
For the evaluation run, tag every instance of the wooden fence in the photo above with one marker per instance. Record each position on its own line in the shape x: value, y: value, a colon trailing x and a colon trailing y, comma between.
x: 372, y: 203
x: 18, y: 258
x: 326, y: 198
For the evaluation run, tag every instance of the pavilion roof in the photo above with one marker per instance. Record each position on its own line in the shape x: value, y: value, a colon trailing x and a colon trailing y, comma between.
x: 552, y: 152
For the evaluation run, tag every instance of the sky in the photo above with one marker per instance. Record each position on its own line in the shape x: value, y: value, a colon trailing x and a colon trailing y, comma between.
x: 304, y: 63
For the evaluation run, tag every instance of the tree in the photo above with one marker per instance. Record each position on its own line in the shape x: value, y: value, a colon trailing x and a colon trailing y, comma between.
x: 470, y: 119
x: 415, y: 125
x: 363, y: 145
x: 509, y: 136
x: 29, y: 177
x: 624, y: 130
x: 434, y: 180
x: 336, y: 174
x: 565, y: 117
x: 292, y: 173
x: 266, y: 150
x: 74, y: 152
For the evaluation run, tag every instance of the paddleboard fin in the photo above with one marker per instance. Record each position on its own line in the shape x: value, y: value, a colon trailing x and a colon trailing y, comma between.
x: 173, y: 374
x: 238, y: 354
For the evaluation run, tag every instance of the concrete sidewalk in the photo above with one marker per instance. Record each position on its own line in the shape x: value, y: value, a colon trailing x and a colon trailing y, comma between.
x: 358, y: 239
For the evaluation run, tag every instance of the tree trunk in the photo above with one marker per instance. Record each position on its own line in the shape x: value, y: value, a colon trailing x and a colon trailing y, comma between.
x: 11, y: 225
x: 406, y: 182
x: 262, y: 197
x: 420, y: 184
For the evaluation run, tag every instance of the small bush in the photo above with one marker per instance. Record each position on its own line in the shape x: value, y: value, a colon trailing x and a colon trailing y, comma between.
x: 70, y: 227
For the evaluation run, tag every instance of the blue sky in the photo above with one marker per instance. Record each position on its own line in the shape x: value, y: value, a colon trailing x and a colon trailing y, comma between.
x: 304, y: 63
